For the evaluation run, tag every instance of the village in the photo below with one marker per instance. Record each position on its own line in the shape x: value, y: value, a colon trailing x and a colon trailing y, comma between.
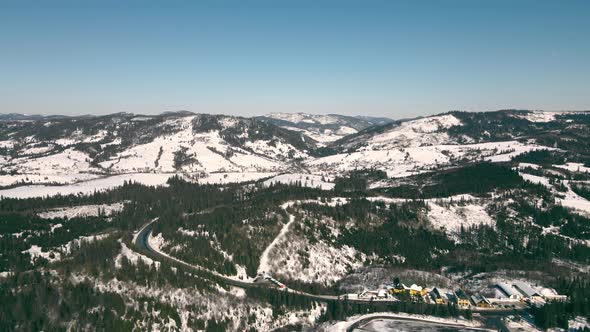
x: 499, y: 296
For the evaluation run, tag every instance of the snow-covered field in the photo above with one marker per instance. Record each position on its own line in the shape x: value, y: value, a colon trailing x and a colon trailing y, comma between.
x: 87, y: 187
x: 208, y: 153
x: 71, y: 164
x: 226, y: 178
x: 415, y: 133
x: 207, y: 156
x: 401, y: 162
x: 574, y: 167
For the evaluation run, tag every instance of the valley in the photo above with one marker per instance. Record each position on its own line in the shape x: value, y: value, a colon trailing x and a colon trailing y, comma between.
x: 186, y: 221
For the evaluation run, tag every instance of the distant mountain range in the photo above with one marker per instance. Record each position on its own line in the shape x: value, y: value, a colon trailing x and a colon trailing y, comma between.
x: 454, y: 200
x: 59, y: 149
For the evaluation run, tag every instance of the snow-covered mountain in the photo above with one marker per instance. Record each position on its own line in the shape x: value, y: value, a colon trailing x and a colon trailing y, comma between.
x: 219, y: 148
x: 323, y: 128
x: 410, y: 199
x: 72, y: 149
x: 424, y: 144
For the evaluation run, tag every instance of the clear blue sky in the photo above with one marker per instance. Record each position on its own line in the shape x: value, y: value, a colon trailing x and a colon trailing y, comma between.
x: 386, y: 58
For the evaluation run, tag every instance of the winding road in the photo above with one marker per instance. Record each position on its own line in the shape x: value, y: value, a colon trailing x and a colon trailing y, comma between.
x: 141, y: 243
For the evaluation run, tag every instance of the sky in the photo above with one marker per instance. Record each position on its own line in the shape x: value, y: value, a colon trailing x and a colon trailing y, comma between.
x: 367, y: 57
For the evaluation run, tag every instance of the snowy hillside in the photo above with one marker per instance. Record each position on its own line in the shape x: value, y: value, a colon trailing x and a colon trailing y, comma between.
x: 433, y: 201
x: 71, y: 150
x: 82, y: 151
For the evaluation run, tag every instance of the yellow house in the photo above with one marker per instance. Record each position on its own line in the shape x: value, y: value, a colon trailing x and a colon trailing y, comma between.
x: 462, y: 298
x: 416, y: 290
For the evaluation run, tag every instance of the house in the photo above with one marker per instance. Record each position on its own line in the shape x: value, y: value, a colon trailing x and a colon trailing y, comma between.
x: 551, y: 295
x: 415, y: 290
x: 507, y: 292
x: 438, y: 296
x: 462, y: 298
x: 527, y: 291
x: 399, y: 288
x: 480, y: 301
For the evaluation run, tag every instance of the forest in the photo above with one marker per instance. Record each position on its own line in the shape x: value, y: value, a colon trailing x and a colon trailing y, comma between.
x: 223, y: 227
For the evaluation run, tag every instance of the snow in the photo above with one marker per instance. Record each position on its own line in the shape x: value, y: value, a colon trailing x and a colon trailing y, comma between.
x: 60, y: 163
x: 305, y: 118
x: 578, y: 323
x: 86, y: 187
x: 574, y: 167
x: 424, y: 131
x: 54, y: 227
x: 451, y: 217
x: 133, y: 257
x: 226, y: 178
x: 322, y: 263
x: 82, y: 211
x: 41, y: 178
x: 56, y: 254
x: 321, y: 128
x: 568, y: 199
x: 325, y: 136
x: 205, y: 155
x: 36, y: 150
x: 276, y: 150
x: 402, y: 162
x: 325, y: 264
x: 345, y: 325
x: 156, y: 242
x: 306, y: 180
x: 7, y: 144
x: 527, y: 165
x: 539, y: 116
x: 574, y: 201
x: 207, y: 152
x: 35, y: 251
x: 535, y: 179
x: 264, y: 265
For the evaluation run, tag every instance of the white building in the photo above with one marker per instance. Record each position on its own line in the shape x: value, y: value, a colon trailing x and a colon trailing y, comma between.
x: 551, y: 295
x: 506, y: 291
x: 527, y: 291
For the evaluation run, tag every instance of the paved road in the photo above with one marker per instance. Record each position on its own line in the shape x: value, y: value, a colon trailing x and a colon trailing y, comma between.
x: 359, y: 326
x: 142, y: 244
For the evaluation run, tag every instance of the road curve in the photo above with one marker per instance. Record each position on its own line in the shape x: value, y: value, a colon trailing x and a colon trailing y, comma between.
x: 141, y: 242
x: 362, y: 322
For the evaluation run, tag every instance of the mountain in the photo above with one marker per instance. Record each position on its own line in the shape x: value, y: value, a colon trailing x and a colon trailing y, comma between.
x: 185, y: 221
x: 70, y: 149
x: 67, y: 150
x: 423, y: 144
x: 323, y: 128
